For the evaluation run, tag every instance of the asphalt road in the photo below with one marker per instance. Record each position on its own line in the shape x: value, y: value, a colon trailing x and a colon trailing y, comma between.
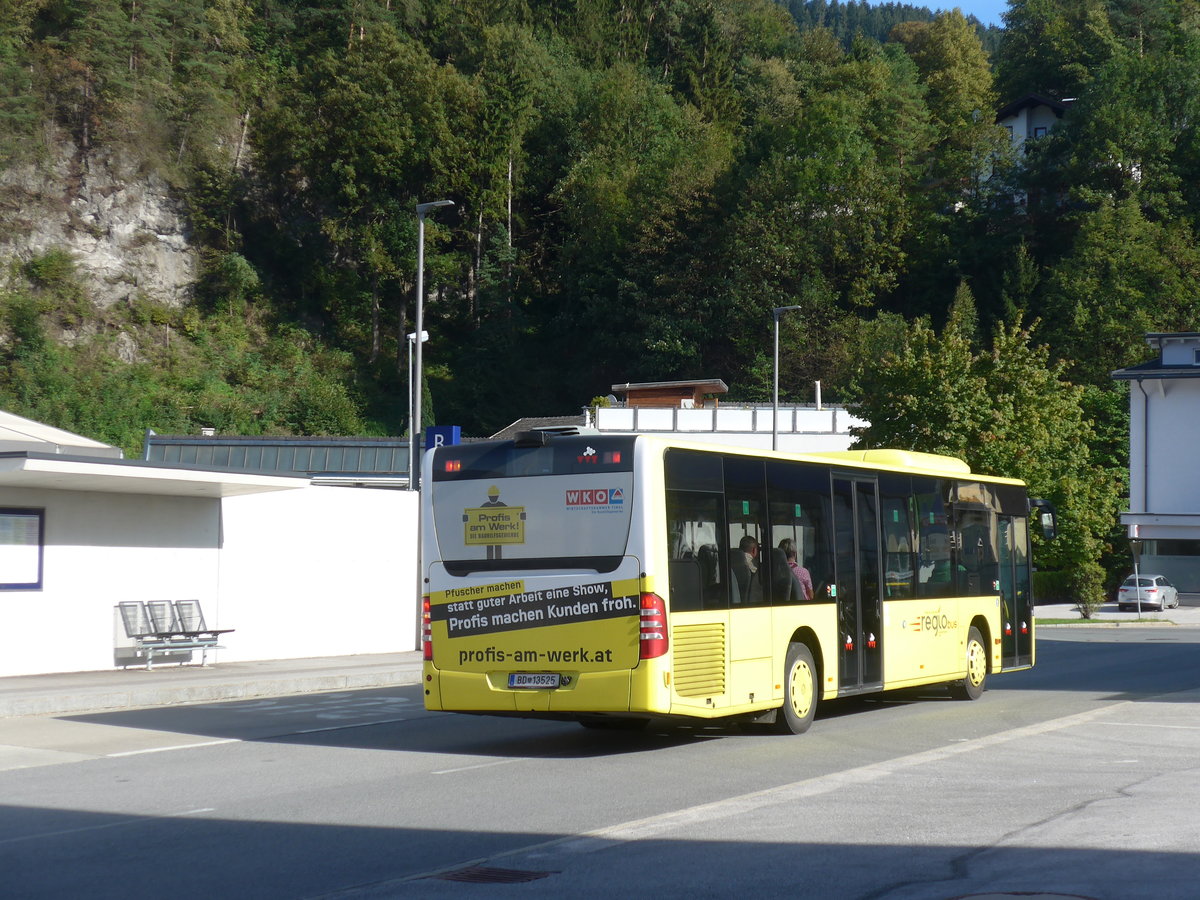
x: 1076, y: 778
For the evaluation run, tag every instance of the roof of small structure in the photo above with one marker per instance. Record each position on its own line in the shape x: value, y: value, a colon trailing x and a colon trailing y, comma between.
x: 1058, y: 107
x: 705, y: 385
x: 530, y: 423
x: 19, y: 433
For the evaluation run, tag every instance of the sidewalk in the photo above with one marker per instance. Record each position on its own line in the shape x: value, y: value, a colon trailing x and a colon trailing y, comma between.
x: 83, y: 692
x: 1187, y: 613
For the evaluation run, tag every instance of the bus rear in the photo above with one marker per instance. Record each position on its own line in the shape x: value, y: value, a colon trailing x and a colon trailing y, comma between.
x: 535, y: 597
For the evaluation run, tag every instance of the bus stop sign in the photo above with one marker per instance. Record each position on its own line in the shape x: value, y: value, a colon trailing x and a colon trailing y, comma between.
x: 442, y: 436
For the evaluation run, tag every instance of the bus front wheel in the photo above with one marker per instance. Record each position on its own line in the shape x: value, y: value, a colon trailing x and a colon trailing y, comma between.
x: 971, y: 687
x: 799, y: 691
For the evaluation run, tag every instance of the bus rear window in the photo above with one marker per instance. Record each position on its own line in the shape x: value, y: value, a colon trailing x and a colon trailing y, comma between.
x: 575, y: 455
x: 500, y: 506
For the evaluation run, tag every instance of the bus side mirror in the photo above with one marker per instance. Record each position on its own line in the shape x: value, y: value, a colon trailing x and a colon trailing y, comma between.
x: 1046, y: 517
x: 1049, y: 526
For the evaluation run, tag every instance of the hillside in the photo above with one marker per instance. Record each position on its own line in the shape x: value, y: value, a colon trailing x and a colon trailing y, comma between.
x: 207, y: 206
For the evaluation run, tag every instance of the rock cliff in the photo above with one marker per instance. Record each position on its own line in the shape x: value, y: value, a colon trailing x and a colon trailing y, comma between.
x: 127, y: 233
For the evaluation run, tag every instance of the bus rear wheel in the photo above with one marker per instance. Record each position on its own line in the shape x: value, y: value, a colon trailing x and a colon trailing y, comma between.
x: 972, y: 686
x: 799, y: 691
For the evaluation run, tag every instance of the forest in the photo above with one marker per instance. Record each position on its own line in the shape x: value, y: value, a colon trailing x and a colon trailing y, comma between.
x: 637, y: 183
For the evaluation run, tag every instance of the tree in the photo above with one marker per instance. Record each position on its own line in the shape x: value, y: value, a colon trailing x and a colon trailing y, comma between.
x: 1052, y: 47
x: 1007, y: 410
x: 1125, y: 275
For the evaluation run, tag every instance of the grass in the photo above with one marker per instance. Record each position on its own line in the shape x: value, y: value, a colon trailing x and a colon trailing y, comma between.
x: 1082, y: 621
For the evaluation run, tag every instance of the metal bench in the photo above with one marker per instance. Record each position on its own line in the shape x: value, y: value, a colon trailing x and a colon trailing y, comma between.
x: 163, y: 626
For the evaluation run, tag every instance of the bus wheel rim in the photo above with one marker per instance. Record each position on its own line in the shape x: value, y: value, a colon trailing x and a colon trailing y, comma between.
x: 801, y: 689
x: 976, y: 667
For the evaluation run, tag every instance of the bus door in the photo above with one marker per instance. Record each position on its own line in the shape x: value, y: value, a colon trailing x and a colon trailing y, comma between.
x: 1016, y: 599
x: 858, y: 583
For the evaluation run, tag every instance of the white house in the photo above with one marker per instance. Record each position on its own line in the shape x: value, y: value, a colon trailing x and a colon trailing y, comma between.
x: 296, y: 569
x: 1164, y: 473
x: 1029, y: 117
x: 693, y: 410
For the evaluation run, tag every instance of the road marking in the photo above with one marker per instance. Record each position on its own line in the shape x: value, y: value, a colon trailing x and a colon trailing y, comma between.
x: 174, y: 747
x: 486, y: 765
x: 640, y: 829
x: 271, y: 737
x: 342, y: 727
x: 1151, y: 725
x: 134, y: 820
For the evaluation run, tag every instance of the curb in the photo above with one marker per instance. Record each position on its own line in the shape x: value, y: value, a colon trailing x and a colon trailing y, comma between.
x: 67, y: 703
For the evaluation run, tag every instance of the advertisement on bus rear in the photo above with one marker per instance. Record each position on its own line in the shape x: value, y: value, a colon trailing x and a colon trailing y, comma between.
x: 540, y: 517
x: 592, y: 624
x: 537, y: 618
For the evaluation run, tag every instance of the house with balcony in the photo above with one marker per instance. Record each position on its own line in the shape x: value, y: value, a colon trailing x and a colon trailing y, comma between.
x: 1164, y: 475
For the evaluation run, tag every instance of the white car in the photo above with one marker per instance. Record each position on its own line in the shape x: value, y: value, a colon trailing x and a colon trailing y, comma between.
x: 1156, y: 593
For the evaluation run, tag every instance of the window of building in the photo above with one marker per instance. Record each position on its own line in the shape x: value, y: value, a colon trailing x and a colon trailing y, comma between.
x: 21, y: 540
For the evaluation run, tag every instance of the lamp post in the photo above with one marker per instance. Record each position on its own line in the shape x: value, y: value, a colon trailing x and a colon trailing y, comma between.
x: 777, y: 312
x: 1135, y: 547
x: 412, y: 337
x: 415, y: 422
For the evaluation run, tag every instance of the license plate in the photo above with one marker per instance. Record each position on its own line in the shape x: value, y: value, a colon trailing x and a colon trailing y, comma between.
x: 533, y: 679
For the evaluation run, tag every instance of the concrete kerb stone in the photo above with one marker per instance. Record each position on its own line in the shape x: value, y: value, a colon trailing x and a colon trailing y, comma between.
x: 1108, y: 616
x: 77, y: 693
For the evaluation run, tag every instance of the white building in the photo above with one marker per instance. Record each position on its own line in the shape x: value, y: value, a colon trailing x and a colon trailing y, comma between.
x: 1030, y: 117
x: 693, y: 409
x: 296, y: 569
x: 1164, y: 474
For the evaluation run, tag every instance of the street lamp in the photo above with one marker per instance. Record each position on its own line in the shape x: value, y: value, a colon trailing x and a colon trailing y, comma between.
x: 779, y: 310
x: 415, y: 421
x: 412, y: 337
x: 1135, y: 546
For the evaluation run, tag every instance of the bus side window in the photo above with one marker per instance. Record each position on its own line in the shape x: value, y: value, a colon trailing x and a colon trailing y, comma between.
x: 745, y: 511
x: 799, y: 508
x: 935, y: 578
x: 898, y: 569
x: 693, y: 571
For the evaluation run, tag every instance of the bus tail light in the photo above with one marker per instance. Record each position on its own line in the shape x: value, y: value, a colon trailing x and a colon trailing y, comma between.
x: 426, y: 630
x: 654, y: 627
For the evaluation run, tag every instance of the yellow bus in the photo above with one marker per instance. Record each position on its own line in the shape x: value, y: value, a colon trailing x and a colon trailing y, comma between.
x: 615, y: 579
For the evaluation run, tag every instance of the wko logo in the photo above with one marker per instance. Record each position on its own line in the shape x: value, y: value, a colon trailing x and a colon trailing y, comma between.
x: 596, y: 497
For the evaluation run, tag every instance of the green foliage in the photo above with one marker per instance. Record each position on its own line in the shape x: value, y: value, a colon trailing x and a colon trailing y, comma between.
x: 1051, y: 587
x: 637, y: 184
x: 1007, y: 410
x: 51, y: 270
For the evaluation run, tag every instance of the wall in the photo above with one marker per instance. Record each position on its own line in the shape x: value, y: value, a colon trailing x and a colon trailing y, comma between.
x: 323, y: 571
x: 801, y: 429
x: 101, y: 548
x: 1171, y: 433
x: 318, y: 571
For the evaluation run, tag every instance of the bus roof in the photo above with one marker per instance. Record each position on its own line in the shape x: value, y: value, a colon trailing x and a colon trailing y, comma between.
x: 894, y: 460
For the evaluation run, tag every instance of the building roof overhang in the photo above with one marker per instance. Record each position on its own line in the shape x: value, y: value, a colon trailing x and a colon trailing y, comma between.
x: 1155, y: 371
x: 706, y: 385
x: 79, y: 473
x: 1058, y: 107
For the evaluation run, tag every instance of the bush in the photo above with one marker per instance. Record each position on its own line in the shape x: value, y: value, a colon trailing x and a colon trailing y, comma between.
x: 1051, y: 587
x: 51, y: 270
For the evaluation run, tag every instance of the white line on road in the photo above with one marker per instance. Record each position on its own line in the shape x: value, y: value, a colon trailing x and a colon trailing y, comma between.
x: 344, y: 727
x: 640, y: 829
x: 486, y: 765
x: 134, y: 820
x: 173, y: 747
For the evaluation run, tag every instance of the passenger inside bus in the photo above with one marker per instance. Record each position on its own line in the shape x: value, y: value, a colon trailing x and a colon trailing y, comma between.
x: 746, y: 582
x: 796, y: 572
